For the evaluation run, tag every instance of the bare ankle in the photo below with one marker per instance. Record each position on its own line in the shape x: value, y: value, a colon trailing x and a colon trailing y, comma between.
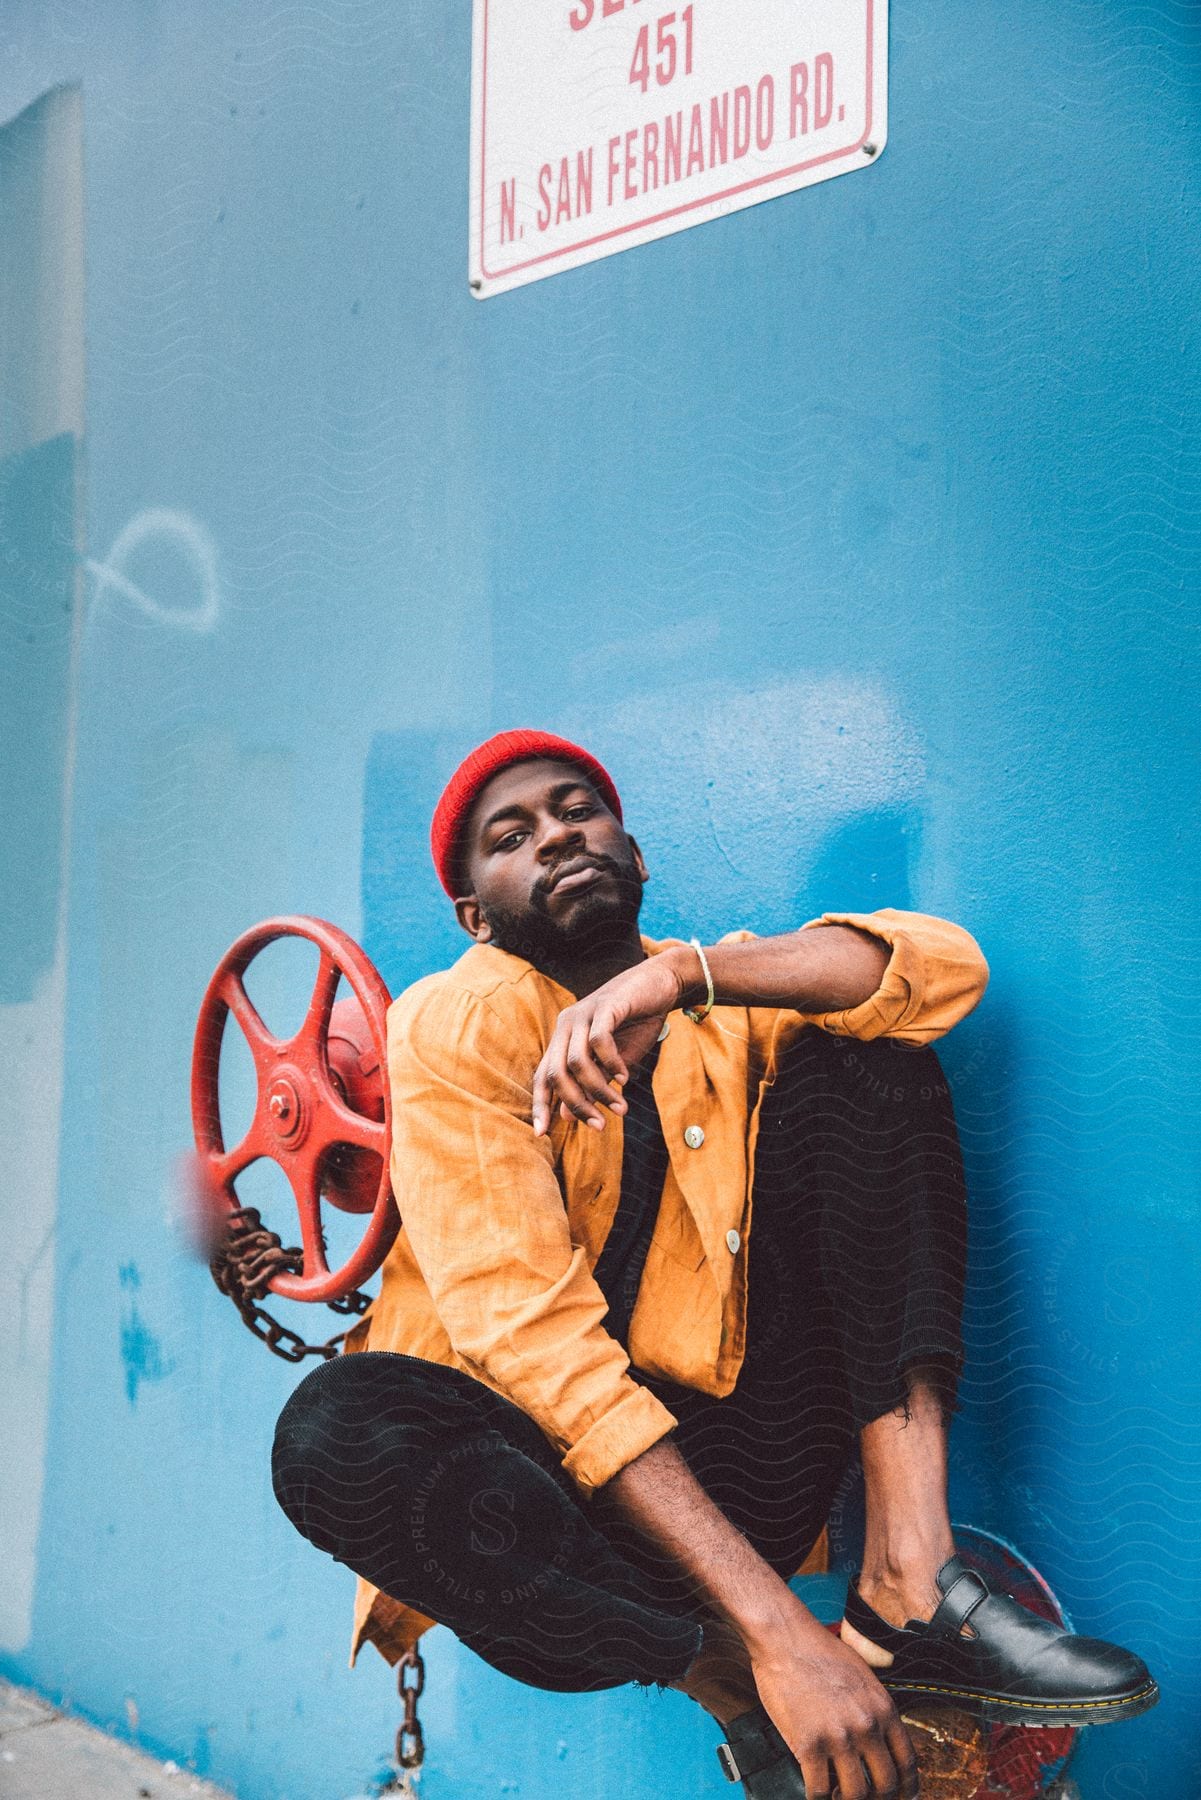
x: 900, y: 1597
x: 906, y: 1558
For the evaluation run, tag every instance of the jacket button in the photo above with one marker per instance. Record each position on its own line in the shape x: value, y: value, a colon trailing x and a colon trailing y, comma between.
x: 694, y: 1137
x: 733, y: 1242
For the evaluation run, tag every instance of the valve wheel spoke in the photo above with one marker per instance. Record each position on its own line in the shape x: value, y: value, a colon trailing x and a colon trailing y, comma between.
x: 228, y: 1164
x: 264, y: 1047
x: 304, y: 1115
x: 337, y: 1123
x: 304, y: 1174
x: 316, y: 1019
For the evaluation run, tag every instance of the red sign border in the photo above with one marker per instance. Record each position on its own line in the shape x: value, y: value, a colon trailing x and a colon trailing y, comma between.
x: 603, y: 237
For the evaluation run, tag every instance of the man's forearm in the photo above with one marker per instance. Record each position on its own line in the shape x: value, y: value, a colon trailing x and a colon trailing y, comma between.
x: 825, y: 968
x: 659, y: 1493
x: 832, y: 1712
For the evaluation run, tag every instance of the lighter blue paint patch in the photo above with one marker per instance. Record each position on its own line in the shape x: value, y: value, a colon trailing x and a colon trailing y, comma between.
x: 37, y: 498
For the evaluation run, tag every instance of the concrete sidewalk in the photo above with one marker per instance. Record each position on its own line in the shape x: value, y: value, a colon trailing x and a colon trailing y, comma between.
x: 44, y: 1755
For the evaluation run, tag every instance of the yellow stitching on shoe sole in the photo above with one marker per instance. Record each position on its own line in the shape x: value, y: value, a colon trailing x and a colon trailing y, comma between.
x: 915, y: 1687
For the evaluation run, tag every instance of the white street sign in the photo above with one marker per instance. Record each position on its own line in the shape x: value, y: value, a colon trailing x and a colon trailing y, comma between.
x: 601, y: 124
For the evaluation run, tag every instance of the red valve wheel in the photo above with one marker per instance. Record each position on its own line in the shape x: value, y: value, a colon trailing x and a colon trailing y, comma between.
x: 323, y: 1111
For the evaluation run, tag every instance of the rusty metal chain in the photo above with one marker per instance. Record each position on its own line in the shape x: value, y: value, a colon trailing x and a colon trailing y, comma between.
x: 244, y: 1266
x: 410, y: 1744
x: 410, y: 1680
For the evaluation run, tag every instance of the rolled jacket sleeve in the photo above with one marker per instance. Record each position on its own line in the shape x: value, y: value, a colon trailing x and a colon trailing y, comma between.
x: 935, y: 975
x: 488, y: 1227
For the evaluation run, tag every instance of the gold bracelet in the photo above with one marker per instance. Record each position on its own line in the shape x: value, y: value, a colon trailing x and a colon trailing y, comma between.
x: 698, y: 1014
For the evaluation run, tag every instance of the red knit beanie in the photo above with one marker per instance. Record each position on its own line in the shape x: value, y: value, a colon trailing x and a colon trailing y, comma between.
x: 458, y: 796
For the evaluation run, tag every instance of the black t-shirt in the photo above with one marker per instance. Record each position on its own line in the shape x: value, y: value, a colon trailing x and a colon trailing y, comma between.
x: 644, y: 1161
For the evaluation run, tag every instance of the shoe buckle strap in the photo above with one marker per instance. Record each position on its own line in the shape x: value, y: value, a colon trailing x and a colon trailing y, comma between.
x: 959, y: 1603
x: 754, y: 1744
x: 729, y: 1766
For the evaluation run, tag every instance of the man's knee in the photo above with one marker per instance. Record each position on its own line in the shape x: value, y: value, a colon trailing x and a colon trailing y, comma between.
x: 305, y: 1447
x: 331, y: 1428
x: 378, y: 1418
x: 883, y: 1088
x: 820, y: 1068
x: 889, y: 1070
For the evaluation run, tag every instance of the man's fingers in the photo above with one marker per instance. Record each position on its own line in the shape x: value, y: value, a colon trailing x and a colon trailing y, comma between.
x: 543, y: 1099
x: 882, y: 1767
x: 816, y: 1771
x: 564, y: 1066
x: 850, y: 1782
x: 582, y: 1071
x: 575, y: 1104
x: 552, y: 1084
x: 604, y: 1048
x: 587, y: 1073
x: 900, y: 1745
x: 546, y: 1077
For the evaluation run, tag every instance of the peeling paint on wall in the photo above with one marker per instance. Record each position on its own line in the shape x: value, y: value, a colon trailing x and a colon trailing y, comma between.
x: 141, y: 1354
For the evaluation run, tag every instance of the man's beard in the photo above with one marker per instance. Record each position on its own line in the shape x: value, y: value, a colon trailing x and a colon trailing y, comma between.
x: 598, y: 920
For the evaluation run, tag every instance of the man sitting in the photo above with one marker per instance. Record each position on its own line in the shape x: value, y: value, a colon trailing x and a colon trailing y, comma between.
x: 684, y: 1227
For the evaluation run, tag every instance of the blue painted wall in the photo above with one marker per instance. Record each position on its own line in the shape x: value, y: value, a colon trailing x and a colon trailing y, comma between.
x: 858, y: 531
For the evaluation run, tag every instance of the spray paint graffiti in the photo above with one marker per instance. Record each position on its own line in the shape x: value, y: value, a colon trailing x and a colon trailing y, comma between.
x: 161, y: 525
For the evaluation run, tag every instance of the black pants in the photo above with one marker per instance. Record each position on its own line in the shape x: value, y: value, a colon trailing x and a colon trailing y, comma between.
x: 448, y: 1497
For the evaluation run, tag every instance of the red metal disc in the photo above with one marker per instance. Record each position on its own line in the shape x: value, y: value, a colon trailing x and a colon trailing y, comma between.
x: 325, y: 1120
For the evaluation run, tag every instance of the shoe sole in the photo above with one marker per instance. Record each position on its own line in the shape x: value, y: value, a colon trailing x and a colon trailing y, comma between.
x: 1000, y: 1708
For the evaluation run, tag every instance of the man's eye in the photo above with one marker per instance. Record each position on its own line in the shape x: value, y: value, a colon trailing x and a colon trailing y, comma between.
x: 585, y: 809
x: 510, y: 840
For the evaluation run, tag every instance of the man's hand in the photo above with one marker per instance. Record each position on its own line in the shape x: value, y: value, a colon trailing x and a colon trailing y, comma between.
x: 825, y: 1702
x: 831, y: 1711
x: 601, y: 1038
x: 598, y: 1040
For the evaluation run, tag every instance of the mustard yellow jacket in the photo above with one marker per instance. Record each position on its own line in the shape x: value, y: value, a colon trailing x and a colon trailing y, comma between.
x: 492, y: 1270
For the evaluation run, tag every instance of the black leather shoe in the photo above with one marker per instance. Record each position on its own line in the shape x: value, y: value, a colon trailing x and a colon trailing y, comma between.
x: 1014, y: 1667
x: 757, y: 1755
